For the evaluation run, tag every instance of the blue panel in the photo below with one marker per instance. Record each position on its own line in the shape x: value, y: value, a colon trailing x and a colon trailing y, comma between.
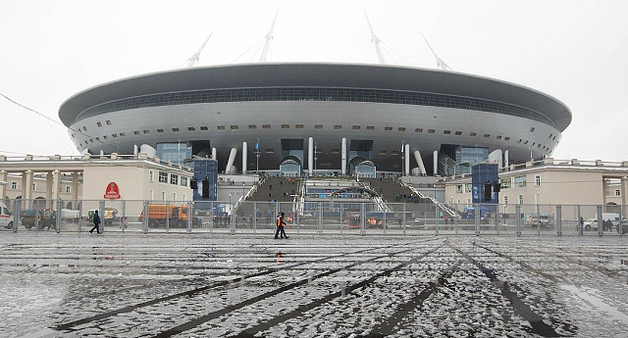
x: 205, y: 168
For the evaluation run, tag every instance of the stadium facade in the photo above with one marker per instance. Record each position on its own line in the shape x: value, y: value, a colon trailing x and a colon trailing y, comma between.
x: 297, y: 118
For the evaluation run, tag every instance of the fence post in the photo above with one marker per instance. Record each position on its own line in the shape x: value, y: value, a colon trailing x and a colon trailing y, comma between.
x: 600, y: 221
x: 362, y: 217
x: 80, y: 216
x: 59, y: 217
x: 145, y: 221
x: 538, y: 220
x: 167, y: 216
x: 477, y: 218
x: 101, y: 211
x: 518, y: 219
x: 456, y: 218
x: 580, y: 223
x: 320, y: 218
x: 254, y: 217
x: 188, y: 223
x: 404, y: 218
x: 559, y: 221
x: 437, y: 219
x: 16, y: 214
x: 123, y: 220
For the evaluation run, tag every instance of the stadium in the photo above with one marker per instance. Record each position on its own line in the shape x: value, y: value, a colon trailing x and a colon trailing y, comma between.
x: 326, y: 118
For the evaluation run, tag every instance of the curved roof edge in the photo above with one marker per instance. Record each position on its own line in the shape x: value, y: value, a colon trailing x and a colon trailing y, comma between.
x: 372, y: 76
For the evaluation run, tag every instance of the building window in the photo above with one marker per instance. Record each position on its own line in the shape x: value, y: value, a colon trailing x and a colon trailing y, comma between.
x: 401, y: 129
x: 159, y: 130
x: 473, y: 134
x: 537, y: 180
x: 163, y: 195
x: 617, y: 192
x: 507, y: 138
x: 337, y: 126
x: 163, y: 177
x: 34, y: 186
x: 174, y: 196
x: 382, y: 153
x: 531, y: 129
x: 520, y: 199
x: 431, y: 131
x: 499, y: 137
x: 335, y: 151
x: 356, y: 127
x: 446, y: 132
x: 458, y: 133
x: 184, y: 182
x: 193, y: 129
x: 266, y: 126
x: 13, y: 185
x: 270, y: 151
x: 370, y: 127
x: 298, y: 126
x: 183, y: 197
x: 252, y: 126
x: 468, y: 187
x: 176, y: 130
x: 234, y: 127
x: 285, y: 126
x: 99, y: 124
x: 174, y: 179
x: 108, y: 122
x: 221, y: 127
x: 145, y: 131
x: 68, y: 190
x: 114, y: 135
x: 505, y: 200
x: 418, y: 130
x: 458, y: 188
x: 204, y: 128
x: 318, y: 126
x: 519, y: 181
x: 104, y: 137
x: 388, y: 128
x: 487, y: 135
x: 151, y: 176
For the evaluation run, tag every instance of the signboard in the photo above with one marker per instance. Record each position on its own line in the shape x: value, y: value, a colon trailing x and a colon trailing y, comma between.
x: 112, y: 192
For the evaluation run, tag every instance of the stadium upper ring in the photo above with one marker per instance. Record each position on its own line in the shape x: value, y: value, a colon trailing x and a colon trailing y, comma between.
x: 318, y: 82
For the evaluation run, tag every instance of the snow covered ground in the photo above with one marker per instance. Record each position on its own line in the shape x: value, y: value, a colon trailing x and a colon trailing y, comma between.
x: 207, y: 285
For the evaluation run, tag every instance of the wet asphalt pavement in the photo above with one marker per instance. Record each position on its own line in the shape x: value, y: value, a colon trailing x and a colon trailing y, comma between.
x: 202, y: 285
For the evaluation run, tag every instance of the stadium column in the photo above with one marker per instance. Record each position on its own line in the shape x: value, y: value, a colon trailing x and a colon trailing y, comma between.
x: 343, y: 157
x: 232, y: 156
x: 506, y: 164
x: 435, y: 162
x: 3, y: 178
x: 310, y: 156
x: 75, y: 183
x: 419, y: 161
x: 56, y: 184
x: 27, y: 186
x: 244, y: 157
x: 407, y: 164
x: 214, y: 154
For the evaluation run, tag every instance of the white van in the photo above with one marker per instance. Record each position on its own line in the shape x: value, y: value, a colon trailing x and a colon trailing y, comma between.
x: 6, y: 218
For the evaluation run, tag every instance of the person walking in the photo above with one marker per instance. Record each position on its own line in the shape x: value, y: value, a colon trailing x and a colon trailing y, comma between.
x: 96, y: 221
x: 281, y: 233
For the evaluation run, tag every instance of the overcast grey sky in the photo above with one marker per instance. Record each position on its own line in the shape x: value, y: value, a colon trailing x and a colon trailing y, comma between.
x: 575, y: 51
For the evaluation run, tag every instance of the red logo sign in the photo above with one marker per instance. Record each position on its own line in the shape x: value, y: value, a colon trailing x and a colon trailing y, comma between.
x: 112, y: 192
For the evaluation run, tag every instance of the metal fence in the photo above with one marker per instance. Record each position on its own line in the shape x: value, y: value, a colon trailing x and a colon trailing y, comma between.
x: 318, y: 218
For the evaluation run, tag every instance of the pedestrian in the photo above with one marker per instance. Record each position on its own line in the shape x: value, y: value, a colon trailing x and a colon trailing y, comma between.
x: 96, y: 221
x: 280, y: 233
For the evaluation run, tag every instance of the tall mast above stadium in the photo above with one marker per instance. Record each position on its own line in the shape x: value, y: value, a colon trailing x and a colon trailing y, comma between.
x: 268, y: 38
x: 439, y: 62
x: 193, y: 60
x: 375, y: 41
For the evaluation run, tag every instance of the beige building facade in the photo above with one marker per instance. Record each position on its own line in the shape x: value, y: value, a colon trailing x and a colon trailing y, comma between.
x: 89, y: 179
x: 553, y: 182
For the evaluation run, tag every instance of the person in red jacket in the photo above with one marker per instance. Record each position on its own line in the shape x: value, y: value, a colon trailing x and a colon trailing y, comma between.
x: 280, y: 233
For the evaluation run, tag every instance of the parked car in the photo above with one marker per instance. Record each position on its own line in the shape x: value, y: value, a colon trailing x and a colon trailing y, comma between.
x: 6, y: 217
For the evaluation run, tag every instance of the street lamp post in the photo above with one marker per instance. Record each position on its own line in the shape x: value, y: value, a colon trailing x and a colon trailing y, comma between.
x: 402, y: 158
x: 315, y: 158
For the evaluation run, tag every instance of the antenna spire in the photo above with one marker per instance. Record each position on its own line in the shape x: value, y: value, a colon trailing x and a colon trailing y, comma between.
x: 375, y: 41
x: 193, y: 60
x: 440, y: 63
x: 268, y: 38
